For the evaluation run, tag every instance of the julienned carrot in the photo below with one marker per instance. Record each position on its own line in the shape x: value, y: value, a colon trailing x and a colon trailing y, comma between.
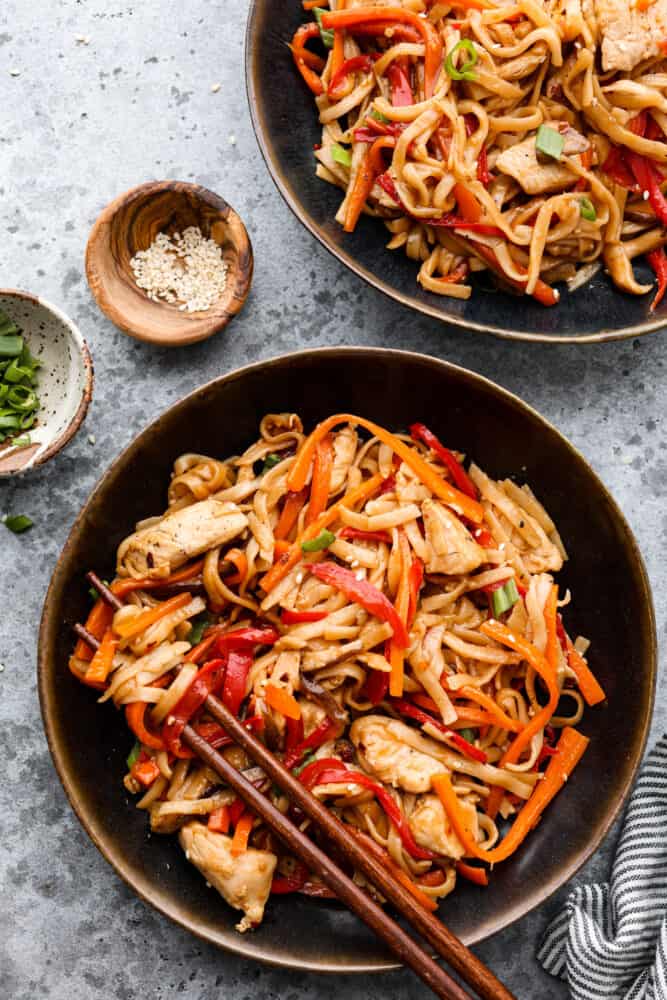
x: 287, y: 561
x: 366, y: 15
x: 550, y: 620
x: 145, y: 771
x: 302, y: 57
x: 397, y: 653
x: 368, y: 171
x: 569, y: 752
x: 238, y: 559
x: 242, y: 833
x: 97, y: 623
x: 319, y: 487
x: 589, y: 686
x: 135, y: 714
x: 219, y: 820
x: 338, y: 51
x: 477, y: 875
x: 102, y: 662
x: 282, y: 701
x: 498, y: 717
x: 289, y: 515
x: 280, y: 547
x: 440, y: 487
x: 133, y: 626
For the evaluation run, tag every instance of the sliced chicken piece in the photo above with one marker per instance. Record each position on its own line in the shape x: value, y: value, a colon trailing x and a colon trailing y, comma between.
x: 630, y: 35
x: 431, y: 827
x: 244, y: 881
x: 451, y: 547
x: 344, y: 448
x: 535, y: 177
x: 157, y: 551
x: 392, y: 761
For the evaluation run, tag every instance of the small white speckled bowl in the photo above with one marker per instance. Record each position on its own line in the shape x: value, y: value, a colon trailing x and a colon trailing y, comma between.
x: 65, y: 379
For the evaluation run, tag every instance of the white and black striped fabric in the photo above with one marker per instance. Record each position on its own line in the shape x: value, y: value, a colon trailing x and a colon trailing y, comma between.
x: 610, y: 940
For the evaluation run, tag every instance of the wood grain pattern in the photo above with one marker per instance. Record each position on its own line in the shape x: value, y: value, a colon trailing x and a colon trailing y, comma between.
x: 131, y: 223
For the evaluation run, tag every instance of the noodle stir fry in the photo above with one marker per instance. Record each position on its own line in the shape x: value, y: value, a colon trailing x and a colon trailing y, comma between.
x: 385, y: 621
x: 524, y: 138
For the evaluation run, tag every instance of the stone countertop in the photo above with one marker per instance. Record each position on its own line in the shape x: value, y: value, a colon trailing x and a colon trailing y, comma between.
x: 97, y: 97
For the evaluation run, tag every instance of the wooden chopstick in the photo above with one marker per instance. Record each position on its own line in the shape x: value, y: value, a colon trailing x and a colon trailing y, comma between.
x: 347, y: 891
x: 446, y: 944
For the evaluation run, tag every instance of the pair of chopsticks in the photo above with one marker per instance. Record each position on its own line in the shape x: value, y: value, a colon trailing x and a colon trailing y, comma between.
x: 406, y: 948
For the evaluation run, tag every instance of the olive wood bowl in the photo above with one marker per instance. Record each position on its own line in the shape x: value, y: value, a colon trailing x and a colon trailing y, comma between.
x: 131, y: 223
x: 611, y: 604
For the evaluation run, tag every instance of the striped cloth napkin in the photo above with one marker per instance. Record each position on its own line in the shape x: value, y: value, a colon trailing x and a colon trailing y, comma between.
x: 610, y: 940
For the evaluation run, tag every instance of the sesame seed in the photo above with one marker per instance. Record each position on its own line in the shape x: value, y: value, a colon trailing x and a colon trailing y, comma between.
x: 215, y: 87
x: 15, y: 72
x: 354, y: 564
x: 185, y: 270
x: 299, y: 577
x: 360, y: 575
x: 91, y: 439
x: 232, y: 140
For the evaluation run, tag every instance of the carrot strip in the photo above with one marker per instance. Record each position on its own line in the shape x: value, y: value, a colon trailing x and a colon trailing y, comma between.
x: 479, y: 876
x: 397, y: 652
x: 135, y: 714
x: 239, y: 559
x: 145, y: 771
x: 290, y: 513
x: 569, y: 752
x: 498, y: 717
x: 280, y: 548
x: 588, y: 683
x: 196, y: 653
x: 102, y: 662
x: 282, y: 701
x: 219, y: 820
x: 97, y: 623
x: 241, y: 834
x: 132, y: 627
x: 369, y: 169
x: 287, y: 561
x: 319, y: 488
x: 298, y: 48
x: 440, y: 487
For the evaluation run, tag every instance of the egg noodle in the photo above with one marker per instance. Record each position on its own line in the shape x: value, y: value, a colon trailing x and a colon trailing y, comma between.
x: 525, y: 138
x: 385, y: 621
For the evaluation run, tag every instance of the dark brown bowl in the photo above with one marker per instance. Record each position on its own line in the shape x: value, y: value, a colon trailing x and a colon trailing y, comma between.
x: 612, y: 605
x: 285, y: 121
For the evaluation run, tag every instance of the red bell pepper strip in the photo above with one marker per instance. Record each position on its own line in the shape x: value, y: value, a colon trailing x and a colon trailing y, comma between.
x: 326, y: 730
x: 206, y: 682
x: 298, y: 617
x: 484, y: 538
x: 401, y: 91
x: 218, y: 820
x: 472, y: 873
x: 236, y: 675
x: 354, y: 65
x: 236, y: 810
x: 145, y: 770
x: 415, y: 581
x: 330, y: 771
x: 649, y: 179
x: 246, y: 638
x: 658, y: 261
x: 412, y: 712
x: 377, y: 681
x: 283, y: 884
x: 293, y: 732
x: 363, y: 593
x: 365, y: 536
x: 399, y: 33
x: 616, y: 167
x: 484, y: 175
x: 419, y: 432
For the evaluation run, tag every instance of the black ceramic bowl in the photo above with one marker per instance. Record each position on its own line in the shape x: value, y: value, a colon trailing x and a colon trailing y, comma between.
x: 612, y: 605
x: 285, y: 120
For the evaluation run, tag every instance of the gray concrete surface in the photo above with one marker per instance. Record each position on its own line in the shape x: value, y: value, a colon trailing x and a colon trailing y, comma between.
x: 81, y: 123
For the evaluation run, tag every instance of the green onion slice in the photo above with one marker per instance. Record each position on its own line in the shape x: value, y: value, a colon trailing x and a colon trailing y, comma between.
x: 11, y: 345
x: 21, y: 398
x: 270, y: 461
x: 341, y: 155
x: 10, y: 421
x: 23, y: 441
x: 326, y: 34
x: 199, y: 626
x: 464, y: 72
x: 587, y: 209
x: 379, y: 117
x: 323, y: 541
x: 504, y: 598
x: 468, y: 734
x: 549, y: 142
x: 133, y: 755
x: 18, y: 523
x: 308, y: 759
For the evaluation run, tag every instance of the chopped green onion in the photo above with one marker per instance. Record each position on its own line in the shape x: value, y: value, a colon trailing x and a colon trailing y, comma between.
x: 94, y: 596
x: 7, y: 325
x: 23, y: 441
x: 270, y: 461
x: 468, y: 734
x: 341, y: 155
x: 504, y: 598
x: 323, y: 541
x: 11, y: 345
x: 587, y: 209
x: 549, y: 142
x: 21, y: 398
x: 133, y: 755
x: 9, y: 421
x: 379, y: 117
x: 326, y: 34
x: 465, y: 71
x: 199, y: 626
x: 308, y: 759
x: 18, y: 524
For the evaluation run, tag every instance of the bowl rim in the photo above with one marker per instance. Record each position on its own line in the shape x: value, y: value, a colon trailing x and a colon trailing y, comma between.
x: 275, y: 170
x: 89, y: 380
x: 236, y: 944
x: 196, y: 327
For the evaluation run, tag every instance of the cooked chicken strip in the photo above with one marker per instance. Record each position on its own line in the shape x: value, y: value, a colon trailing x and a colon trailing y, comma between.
x: 521, y: 163
x: 630, y: 35
x: 157, y: 551
x: 451, y: 547
x: 243, y: 881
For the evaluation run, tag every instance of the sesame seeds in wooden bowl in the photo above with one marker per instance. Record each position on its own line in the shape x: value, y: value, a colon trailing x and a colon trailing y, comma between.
x: 169, y: 262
